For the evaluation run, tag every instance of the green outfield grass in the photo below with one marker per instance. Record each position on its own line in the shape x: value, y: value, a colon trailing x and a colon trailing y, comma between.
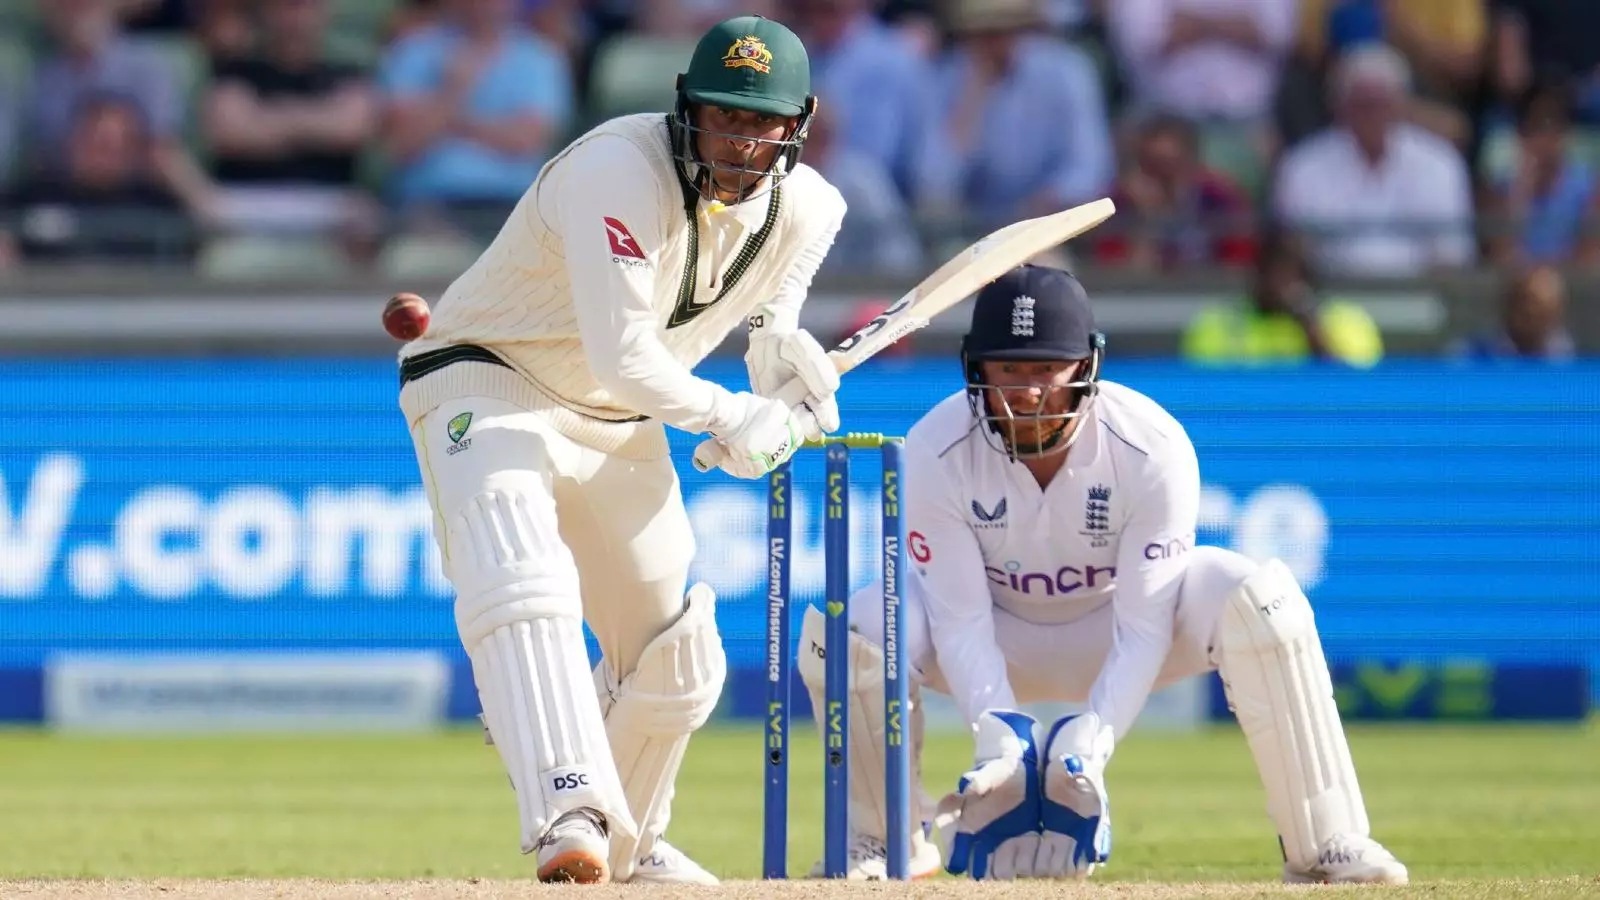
x: 1454, y: 803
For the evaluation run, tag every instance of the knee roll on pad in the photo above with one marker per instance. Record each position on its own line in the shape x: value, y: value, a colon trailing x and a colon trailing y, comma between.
x: 1270, y: 658
x: 651, y: 712
x: 868, y: 792
x: 507, y: 561
x: 519, y: 616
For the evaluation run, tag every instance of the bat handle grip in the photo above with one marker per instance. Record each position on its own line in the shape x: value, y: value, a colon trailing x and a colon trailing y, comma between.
x: 712, y: 452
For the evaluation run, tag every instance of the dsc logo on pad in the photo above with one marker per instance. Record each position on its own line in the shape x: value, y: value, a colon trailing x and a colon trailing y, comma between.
x: 567, y: 779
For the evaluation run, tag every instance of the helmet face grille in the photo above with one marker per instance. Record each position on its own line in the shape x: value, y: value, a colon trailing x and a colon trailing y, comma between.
x: 1047, y: 427
x: 752, y: 181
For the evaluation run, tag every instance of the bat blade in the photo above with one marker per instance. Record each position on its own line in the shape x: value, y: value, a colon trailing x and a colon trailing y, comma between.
x: 990, y: 257
x: 965, y: 274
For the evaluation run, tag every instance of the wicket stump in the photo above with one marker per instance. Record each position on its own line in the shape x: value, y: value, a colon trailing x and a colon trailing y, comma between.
x: 836, y: 704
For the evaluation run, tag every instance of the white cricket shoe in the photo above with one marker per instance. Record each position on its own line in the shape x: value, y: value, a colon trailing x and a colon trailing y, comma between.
x: 868, y: 859
x: 574, y: 849
x: 1351, y: 859
x: 666, y: 864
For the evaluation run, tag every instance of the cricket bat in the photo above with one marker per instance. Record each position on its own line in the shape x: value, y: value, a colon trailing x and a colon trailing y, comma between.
x: 962, y: 276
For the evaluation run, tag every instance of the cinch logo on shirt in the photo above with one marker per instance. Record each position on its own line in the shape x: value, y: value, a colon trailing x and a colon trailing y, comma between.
x: 1064, y: 580
x: 1169, y: 549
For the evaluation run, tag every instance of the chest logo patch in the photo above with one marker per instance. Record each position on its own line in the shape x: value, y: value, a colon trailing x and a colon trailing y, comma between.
x: 624, y: 247
x: 1097, y: 516
x: 990, y: 518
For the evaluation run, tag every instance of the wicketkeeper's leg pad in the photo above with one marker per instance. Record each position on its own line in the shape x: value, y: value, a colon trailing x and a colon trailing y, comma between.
x: 519, y: 617
x: 1270, y: 658
x: 651, y: 712
x: 869, y: 811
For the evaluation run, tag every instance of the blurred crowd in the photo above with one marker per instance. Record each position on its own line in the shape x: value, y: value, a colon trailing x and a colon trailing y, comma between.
x: 1329, y: 138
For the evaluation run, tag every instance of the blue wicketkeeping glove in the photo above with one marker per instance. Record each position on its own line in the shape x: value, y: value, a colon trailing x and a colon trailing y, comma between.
x: 1075, y: 812
x: 990, y: 826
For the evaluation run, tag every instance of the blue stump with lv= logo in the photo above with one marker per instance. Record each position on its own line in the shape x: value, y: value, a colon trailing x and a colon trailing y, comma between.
x: 836, y: 692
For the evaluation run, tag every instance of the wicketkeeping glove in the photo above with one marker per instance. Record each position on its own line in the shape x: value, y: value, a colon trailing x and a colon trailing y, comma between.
x: 990, y: 826
x: 1075, y: 812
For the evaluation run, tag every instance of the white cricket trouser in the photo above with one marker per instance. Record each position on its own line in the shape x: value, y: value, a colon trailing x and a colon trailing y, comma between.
x: 1059, y: 663
x: 540, y: 534
x: 1251, y: 620
x: 622, y: 520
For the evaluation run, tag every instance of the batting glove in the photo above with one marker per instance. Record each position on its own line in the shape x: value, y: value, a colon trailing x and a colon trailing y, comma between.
x: 768, y: 433
x: 790, y: 366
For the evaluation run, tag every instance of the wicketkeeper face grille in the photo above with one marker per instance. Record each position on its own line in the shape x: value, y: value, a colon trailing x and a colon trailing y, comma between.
x: 1027, y: 410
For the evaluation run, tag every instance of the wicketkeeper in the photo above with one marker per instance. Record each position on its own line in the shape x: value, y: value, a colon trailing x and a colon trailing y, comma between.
x: 1051, y: 517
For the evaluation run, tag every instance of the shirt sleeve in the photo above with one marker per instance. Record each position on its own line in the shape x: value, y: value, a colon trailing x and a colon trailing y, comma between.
x: 1086, y: 166
x: 410, y: 68
x: 784, y: 308
x: 936, y: 169
x: 1292, y: 203
x: 1454, y: 244
x: 1139, y: 30
x: 157, y: 93
x: 604, y: 206
x: 1278, y: 23
x: 1152, y: 556
x: 547, y: 83
x: 954, y: 588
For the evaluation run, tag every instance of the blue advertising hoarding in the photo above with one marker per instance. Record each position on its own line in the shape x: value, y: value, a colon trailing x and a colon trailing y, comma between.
x: 1435, y: 513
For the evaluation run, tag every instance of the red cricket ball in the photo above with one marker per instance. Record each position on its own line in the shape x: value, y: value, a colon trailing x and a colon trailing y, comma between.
x: 406, y: 316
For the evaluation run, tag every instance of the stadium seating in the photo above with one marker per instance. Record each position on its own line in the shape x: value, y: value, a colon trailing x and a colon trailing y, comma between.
x: 1498, y: 158
x: 417, y: 258
x: 635, y: 73
x: 1234, y: 151
x: 16, y: 77
x: 20, y: 18
x: 249, y: 257
x: 361, y: 18
x: 191, y: 73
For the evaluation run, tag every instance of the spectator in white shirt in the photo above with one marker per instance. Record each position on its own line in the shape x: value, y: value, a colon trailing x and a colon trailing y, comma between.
x: 1377, y: 196
x: 1203, y: 59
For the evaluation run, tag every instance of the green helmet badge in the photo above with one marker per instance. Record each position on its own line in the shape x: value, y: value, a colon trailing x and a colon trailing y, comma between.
x: 748, y: 53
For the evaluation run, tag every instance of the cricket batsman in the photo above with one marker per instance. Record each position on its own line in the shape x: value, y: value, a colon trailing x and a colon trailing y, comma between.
x: 538, y: 403
x: 1051, y: 521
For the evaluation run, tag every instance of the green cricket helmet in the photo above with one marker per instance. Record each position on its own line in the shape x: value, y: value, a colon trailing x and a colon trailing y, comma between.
x: 745, y: 63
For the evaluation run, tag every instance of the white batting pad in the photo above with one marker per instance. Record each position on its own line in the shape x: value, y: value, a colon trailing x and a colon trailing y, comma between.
x: 650, y: 714
x: 1270, y: 658
x: 869, y: 814
x: 518, y: 613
